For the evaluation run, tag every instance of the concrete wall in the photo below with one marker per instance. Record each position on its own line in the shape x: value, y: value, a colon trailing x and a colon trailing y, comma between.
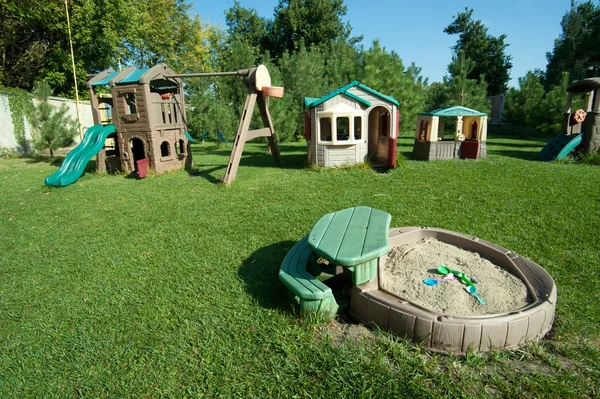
x: 7, y: 132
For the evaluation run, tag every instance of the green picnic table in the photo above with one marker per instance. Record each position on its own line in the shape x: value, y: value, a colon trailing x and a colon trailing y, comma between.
x: 353, y: 238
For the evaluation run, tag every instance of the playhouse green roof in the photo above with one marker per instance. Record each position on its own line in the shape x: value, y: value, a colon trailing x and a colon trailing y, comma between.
x: 457, y: 110
x: 310, y: 102
x: 106, y: 80
x: 133, y: 77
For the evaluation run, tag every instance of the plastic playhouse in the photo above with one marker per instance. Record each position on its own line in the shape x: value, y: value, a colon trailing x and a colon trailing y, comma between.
x: 468, y: 140
x: 359, y: 240
x: 141, y: 125
x: 581, y: 128
x: 350, y: 125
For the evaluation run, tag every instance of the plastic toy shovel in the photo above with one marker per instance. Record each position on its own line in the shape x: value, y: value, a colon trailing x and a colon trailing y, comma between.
x: 471, y: 289
x: 445, y: 271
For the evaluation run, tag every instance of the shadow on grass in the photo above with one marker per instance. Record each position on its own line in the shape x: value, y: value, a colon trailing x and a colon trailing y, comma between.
x: 525, y: 155
x: 56, y: 161
x: 206, y: 173
x: 260, y: 276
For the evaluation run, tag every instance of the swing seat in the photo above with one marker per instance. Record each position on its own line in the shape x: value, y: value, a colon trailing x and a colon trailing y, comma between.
x: 193, y: 140
x: 223, y: 139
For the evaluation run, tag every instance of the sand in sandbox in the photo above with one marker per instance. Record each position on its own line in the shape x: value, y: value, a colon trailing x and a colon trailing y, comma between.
x: 408, y: 265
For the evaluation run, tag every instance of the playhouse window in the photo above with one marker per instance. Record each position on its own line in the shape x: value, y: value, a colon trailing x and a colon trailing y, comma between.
x: 165, y: 150
x: 357, y: 128
x: 130, y: 105
x: 342, y: 126
x: 325, y: 128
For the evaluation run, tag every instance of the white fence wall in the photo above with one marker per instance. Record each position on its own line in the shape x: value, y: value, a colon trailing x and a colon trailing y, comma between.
x: 7, y: 130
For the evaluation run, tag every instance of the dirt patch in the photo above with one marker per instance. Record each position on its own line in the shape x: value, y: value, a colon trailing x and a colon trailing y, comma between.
x: 338, y: 333
x: 408, y: 265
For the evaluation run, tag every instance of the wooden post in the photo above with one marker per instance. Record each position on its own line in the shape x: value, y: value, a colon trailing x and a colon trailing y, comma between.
x: 244, y: 134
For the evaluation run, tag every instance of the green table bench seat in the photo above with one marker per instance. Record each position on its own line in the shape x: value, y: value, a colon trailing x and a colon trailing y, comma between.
x: 313, y: 295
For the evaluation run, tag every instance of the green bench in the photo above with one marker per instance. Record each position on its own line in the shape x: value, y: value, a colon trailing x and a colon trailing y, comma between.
x: 313, y: 295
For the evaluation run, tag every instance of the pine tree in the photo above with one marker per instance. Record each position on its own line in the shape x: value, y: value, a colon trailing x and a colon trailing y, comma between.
x: 52, y: 128
x: 460, y: 90
x: 524, y: 105
x: 385, y: 72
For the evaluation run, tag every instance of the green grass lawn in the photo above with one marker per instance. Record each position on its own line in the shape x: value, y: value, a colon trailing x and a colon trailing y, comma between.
x: 167, y: 286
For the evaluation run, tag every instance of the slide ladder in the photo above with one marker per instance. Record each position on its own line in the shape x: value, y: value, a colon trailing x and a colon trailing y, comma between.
x: 74, y: 164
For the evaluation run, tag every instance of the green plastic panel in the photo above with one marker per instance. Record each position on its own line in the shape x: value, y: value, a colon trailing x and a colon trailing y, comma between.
x: 313, y: 295
x: 560, y: 146
x: 133, y: 77
x: 74, y: 164
x: 106, y: 80
x: 351, y: 236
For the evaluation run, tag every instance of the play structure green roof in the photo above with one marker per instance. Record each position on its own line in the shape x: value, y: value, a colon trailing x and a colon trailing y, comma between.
x: 133, y: 77
x: 106, y: 80
x: 456, y: 110
x: 310, y: 102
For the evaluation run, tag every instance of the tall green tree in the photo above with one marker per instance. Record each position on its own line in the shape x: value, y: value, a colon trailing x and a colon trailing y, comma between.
x: 486, y: 51
x: 303, y: 75
x: 523, y: 106
x: 52, y: 128
x: 385, y: 72
x: 458, y: 88
x: 316, y: 22
x: 244, y: 25
x: 34, y: 43
x: 577, y: 49
x: 343, y: 64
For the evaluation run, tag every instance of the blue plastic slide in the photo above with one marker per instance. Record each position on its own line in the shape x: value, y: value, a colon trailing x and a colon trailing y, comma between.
x: 75, y: 162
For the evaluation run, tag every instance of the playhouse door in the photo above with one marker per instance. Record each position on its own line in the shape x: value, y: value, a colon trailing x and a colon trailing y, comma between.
x: 138, y: 153
x: 379, y: 136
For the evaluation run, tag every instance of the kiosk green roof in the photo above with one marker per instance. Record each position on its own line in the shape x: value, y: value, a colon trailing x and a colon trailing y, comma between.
x: 456, y: 110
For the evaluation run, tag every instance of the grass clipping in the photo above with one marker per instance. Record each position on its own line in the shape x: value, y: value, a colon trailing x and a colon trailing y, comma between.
x: 408, y: 265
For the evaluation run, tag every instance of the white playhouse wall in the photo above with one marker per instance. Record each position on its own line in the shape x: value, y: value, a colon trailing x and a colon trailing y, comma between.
x: 328, y: 155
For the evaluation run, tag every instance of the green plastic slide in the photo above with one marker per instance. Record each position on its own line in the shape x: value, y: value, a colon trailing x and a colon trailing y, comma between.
x: 75, y: 162
x: 560, y: 146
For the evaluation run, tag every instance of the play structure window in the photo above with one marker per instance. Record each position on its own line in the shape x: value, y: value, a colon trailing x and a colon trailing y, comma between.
x: 130, y: 105
x: 166, y: 113
x: 105, y: 113
x: 342, y: 126
x: 180, y: 148
x: 474, y: 130
x: 357, y: 128
x: 165, y: 151
x: 423, y: 126
x: 325, y: 128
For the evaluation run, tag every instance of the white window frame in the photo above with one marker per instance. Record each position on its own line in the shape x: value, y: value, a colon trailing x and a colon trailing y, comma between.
x: 334, y: 116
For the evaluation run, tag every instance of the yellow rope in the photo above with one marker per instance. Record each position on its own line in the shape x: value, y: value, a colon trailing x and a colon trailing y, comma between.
x: 74, y: 73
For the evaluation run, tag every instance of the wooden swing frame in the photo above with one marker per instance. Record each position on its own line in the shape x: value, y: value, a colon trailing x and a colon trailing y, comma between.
x: 259, y: 86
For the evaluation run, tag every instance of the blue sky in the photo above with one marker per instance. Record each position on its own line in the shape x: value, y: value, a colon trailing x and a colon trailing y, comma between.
x: 414, y: 29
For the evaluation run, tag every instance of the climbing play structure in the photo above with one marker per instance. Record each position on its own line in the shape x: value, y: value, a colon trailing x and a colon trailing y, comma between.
x: 466, y: 140
x: 350, y: 125
x: 140, y: 123
x: 581, y: 128
x: 358, y: 241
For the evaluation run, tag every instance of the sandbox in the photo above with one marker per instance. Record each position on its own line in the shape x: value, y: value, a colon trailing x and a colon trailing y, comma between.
x: 442, y: 331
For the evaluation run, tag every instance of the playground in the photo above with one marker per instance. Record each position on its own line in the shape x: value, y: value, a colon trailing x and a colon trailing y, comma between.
x: 171, y: 282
